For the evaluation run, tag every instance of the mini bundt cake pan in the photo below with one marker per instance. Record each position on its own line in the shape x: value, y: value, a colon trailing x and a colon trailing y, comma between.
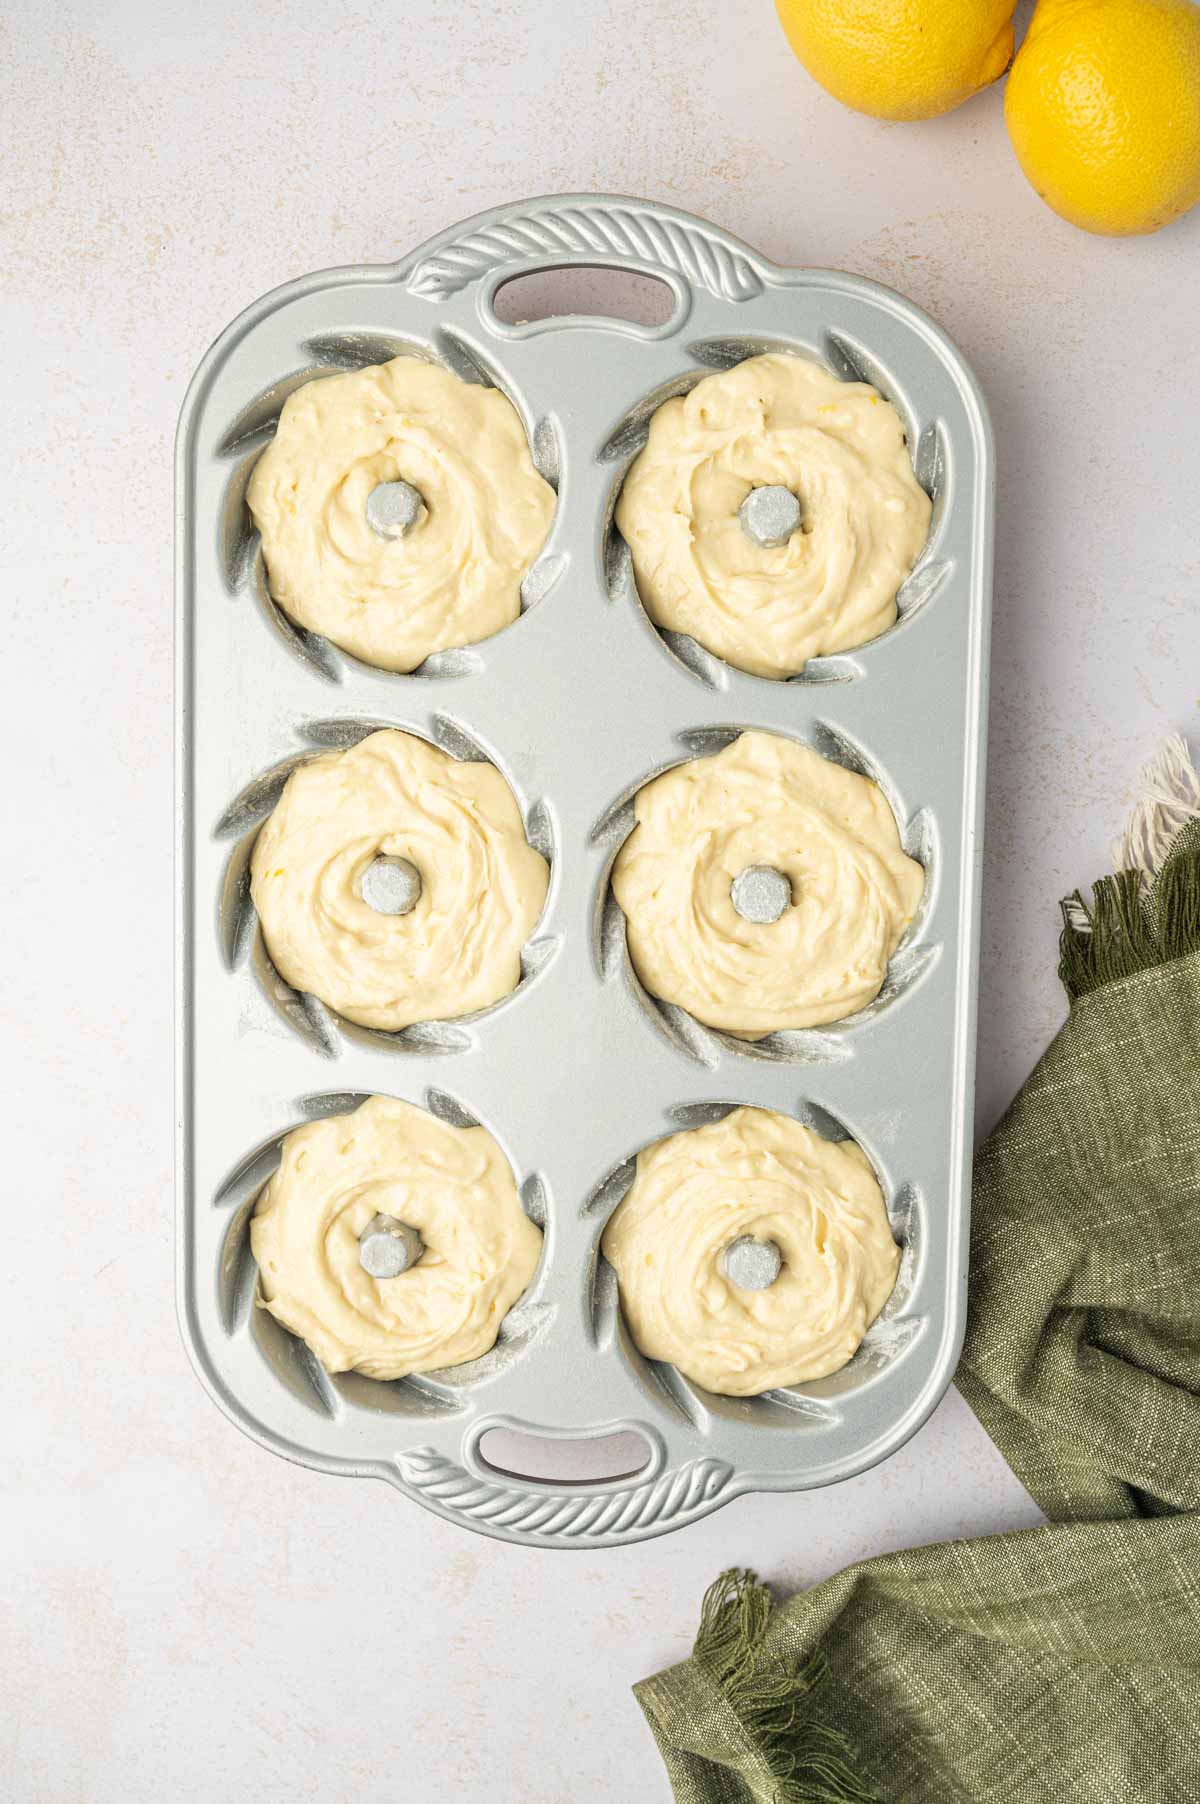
x: 577, y: 703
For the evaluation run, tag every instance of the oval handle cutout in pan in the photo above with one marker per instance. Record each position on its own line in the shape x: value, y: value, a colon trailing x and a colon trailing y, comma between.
x: 598, y: 291
x: 564, y: 1459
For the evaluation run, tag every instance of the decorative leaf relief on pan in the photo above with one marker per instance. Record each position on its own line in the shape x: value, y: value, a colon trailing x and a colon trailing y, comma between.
x: 694, y: 657
x: 605, y: 1196
x: 453, y: 1491
x: 423, y: 1037
x: 518, y: 1332
x: 684, y: 1032
x: 832, y: 743
x: 546, y: 447
x: 795, y: 1046
x: 905, y: 971
x: 850, y: 362
x: 929, y: 460
x: 904, y: 1213
x: 795, y: 1402
x: 919, y: 589
x: 361, y: 350
x: 706, y: 742
x: 313, y: 1019
x: 855, y: 363
x: 256, y: 800
x: 675, y: 1391
x: 255, y: 423
x: 454, y: 738
x: 237, y: 1274
x: 537, y: 954
x: 313, y: 649
x: 632, y: 431
x: 324, y: 1029
x: 293, y: 1363
x: 832, y: 668
x: 466, y: 361
x: 539, y: 829
x: 700, y: 1114
x: 606, y: 231
x: 413, y: 1396
x: 536, y: 1204
x: 821, y: 1121
x: 726, y: 353
x: 541, y: 579
x: 605, y: 1305
x: 459, y: 661
x: 618, y: 567
x: 449, y: 1109
x: 239, y: 545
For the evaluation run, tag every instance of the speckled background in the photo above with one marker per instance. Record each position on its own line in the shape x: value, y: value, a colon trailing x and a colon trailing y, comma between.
x: 182, y: 1613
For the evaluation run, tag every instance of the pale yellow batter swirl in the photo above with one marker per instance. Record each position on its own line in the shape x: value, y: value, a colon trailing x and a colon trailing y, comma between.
x: 761, y: 1175
x: 452, y: 1184
x: 455, y: 576
x: 774, y: 421
x: 764, y: 801
x: 483, y: 885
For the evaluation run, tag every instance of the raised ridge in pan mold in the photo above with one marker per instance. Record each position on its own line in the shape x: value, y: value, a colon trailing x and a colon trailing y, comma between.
x: 913, y: 959
x: 253, y: 428
x: 852, y: 362
x: 573, y: 701
x: 242, y: 943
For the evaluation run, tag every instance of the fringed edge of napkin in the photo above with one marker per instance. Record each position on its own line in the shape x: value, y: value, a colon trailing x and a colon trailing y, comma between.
x: 1148, y: 911
x: 808, y: 1762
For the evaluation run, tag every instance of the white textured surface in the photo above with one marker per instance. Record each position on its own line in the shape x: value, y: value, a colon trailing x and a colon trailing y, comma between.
x: 183, y: 1614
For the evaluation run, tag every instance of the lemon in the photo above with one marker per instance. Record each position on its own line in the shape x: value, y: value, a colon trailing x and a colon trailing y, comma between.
x: 1103, y: 108
x: 900, y: 59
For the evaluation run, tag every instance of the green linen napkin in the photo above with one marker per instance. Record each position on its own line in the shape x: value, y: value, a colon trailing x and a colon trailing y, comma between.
x: 1061, y: 1662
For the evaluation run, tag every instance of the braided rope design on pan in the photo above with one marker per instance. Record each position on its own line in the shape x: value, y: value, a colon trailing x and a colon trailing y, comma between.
x: 436, y: 1480
x: 606, y: 231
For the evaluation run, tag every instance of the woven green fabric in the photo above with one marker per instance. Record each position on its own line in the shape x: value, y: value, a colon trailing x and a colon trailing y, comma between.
x: 1060, y: 1663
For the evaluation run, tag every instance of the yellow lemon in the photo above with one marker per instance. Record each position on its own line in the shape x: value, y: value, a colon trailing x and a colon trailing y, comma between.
x: 1103, y: 108
x: 900, y: 59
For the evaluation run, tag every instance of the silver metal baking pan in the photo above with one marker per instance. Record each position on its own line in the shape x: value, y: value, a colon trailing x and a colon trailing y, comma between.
x: 577, y: 704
